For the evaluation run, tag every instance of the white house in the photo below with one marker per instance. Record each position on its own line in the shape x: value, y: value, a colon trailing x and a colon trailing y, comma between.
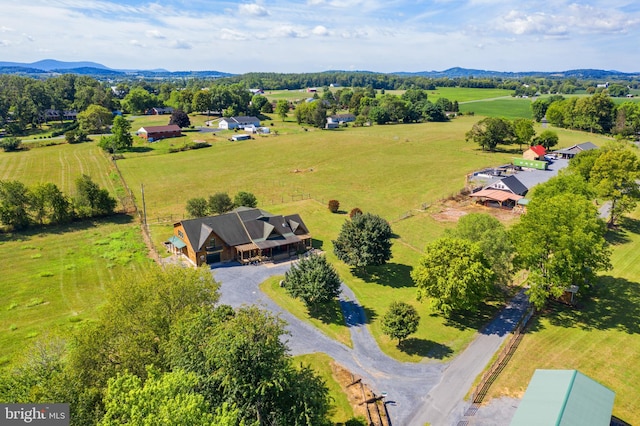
x: 229, y: 123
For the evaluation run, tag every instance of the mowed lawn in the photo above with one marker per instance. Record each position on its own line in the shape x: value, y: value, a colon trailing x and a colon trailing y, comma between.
x: 54, y: 278
x: 59, y: 164
x: 601, y: 339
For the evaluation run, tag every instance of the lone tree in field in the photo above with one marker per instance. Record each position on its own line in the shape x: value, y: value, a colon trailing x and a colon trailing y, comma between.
x: 455, y: 273
x: 282, y: 108
x: 313, y: 280
x: 365, y: 240
x: 490, y: 132
x: 120, y: 137
x: 180, y: 118
x: 400, y: 321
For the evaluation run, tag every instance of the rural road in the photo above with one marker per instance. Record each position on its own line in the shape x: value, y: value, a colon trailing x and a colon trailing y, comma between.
x: 417, y: 393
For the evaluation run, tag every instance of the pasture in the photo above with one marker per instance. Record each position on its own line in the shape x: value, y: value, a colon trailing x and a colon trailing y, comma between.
x: 54, y: 278
x: 59, y: 164
x: 388, y: 170
x: 601, y: 338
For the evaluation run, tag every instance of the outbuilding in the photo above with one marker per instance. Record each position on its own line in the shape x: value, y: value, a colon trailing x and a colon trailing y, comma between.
x: 564, y: 398
x: 154, y: 133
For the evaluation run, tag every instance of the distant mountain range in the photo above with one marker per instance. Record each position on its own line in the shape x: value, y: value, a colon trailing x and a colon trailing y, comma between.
x: 94, y: 69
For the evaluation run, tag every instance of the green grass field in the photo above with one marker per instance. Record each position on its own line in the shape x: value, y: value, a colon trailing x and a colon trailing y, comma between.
x: 601, y: 338
x: 399, y: 168
x: 506, y: 108
x: 60, y: 164
x: 54, y: 278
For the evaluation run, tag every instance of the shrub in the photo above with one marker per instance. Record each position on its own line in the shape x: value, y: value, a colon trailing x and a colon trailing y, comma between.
x: 334, y: 205
x: 354, y: 211
x: 10, y: 144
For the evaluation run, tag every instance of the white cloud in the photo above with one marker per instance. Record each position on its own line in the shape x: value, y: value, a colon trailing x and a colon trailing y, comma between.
x: 4, y: 43
x: 232, y: 35
x: 320, y: 30
x: 4, y: 29
x: 288, y: 31
x: 253, y: 9
x: 154, y: 34
x: 137, y: 43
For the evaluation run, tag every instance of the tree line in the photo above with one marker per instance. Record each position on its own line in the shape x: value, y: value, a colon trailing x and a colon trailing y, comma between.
x: 45, y: 204
x: 596, y: 114
x: 411, y: 107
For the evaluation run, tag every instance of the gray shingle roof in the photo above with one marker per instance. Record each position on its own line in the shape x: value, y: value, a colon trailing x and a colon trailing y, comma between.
x: 245, y: 225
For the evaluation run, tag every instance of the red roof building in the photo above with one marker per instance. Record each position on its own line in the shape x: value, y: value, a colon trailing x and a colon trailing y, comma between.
x: 536, y: 152
x: 154, y: 133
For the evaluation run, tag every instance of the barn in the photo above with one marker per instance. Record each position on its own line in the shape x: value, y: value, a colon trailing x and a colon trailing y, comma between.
x: 154, y: 133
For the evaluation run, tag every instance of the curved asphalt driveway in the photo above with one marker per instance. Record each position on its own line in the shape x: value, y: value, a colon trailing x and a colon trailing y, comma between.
x: 416, y: 392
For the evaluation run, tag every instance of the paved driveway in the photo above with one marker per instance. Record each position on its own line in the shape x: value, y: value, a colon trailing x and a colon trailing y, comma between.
x: 416, y: 392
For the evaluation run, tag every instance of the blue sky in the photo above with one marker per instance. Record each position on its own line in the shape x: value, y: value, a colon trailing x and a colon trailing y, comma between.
x: 317, y: 35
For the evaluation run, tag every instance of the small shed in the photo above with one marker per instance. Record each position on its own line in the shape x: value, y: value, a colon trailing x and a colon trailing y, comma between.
x: 240, y: 137
x: 564, y: 398
x: 536, y: 152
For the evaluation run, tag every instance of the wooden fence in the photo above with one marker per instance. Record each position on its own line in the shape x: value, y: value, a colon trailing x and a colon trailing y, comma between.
x: 481, y: 389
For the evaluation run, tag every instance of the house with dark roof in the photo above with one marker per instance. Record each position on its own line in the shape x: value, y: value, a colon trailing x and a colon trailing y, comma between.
x: 504, y: 193
x: 536, y: 152
x: 154, y: 133
x: 572, y: 151
x: 230, y: 123
x: 243, y: 235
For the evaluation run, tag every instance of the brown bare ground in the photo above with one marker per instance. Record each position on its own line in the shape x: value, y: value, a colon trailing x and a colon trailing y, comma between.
x: 453, y: 209
x: 357, y: 393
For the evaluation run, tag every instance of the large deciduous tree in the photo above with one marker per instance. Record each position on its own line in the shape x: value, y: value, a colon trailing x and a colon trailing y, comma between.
x: 254, y: 372
x: 180, y: 118
x: 454, y: 273
x: 245, y: 199
x: 492, y: 237
x: 91, y: 200
x: 313, y: 280
x: 547, y: 138
x: 560, y: 240
x: 197, y: 207
x: 615, y: 176
x: 282, y: 108
x: 95, y: 119
x: 220, y: 202
x: 120, y: 137
x: 491, y: 132
x: 523, y: 131
x: 365, y: 240
x: 14, y: 204
x: 400, y: 320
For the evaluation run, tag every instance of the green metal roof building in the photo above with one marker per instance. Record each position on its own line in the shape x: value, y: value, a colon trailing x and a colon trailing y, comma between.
x: 564, y: 398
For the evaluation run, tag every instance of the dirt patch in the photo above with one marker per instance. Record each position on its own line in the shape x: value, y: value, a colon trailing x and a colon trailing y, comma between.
x: 453, y: 210
x: 358, y: 394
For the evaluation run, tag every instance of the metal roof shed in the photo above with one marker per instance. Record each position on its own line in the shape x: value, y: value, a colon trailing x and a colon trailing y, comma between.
x: 564, y: 398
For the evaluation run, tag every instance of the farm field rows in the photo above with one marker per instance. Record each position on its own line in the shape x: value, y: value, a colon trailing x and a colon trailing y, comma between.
x: 59, y: 164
